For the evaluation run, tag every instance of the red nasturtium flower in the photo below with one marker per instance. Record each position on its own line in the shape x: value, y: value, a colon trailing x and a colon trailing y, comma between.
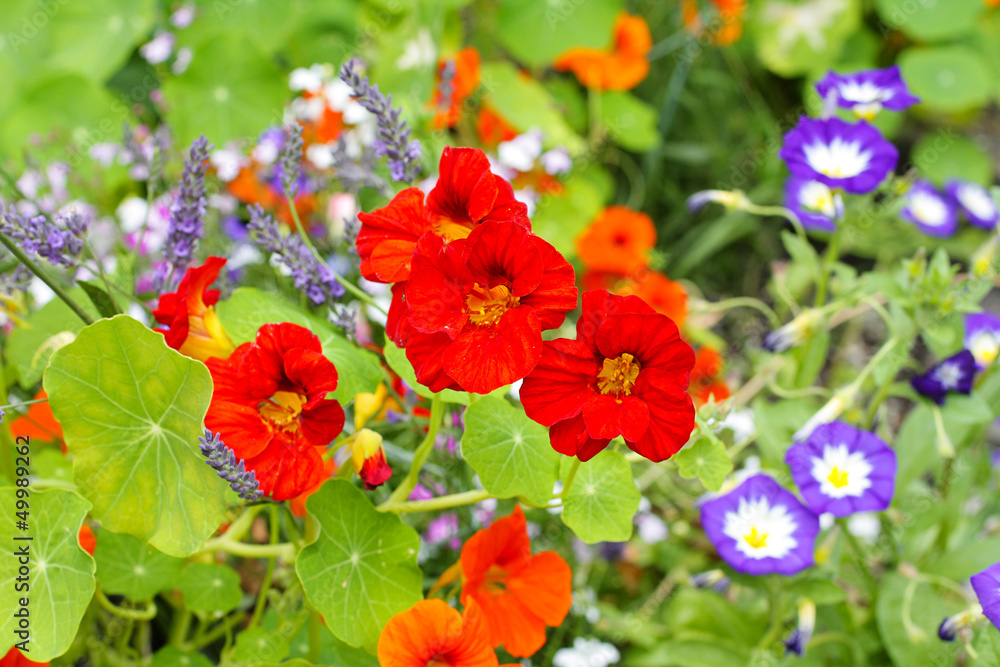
x: 368, y: 457
x: 475, y: 309
x: 622, y: 66
x: 15, y: 658
x: 464, y: 81
x: 87, y: 539
x: 467, y: 194
x: 192, y: 327
x: 617, y: 241
x: 626, y: 374
x: 519, y: 593
x: 432, y: 634
x: 271, y: 409
x: 705, y: 380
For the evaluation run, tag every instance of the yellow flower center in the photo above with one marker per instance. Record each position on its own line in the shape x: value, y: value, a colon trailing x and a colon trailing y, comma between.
x: 838, y: 477
x: 486, y: 305
x: 452, y: 230
x: 618, y: 375
x: 755, y: 539
x: 495, y: 581
x: 283, y: 409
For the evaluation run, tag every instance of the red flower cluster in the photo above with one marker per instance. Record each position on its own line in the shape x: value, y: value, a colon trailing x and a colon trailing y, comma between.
x: 271, y: 409
x: 474, y: 287
x: 625, y: 375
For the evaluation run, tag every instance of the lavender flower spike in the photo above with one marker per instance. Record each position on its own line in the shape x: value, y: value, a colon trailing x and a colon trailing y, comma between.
x: 59, y: 244
x: 185, y: 228
x: 291, y: 160
x: 393, y: 136
x: 223, y: 460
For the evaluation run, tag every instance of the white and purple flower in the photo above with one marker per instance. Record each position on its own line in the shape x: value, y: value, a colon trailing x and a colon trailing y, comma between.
x: 930, y: 210
x: 760, y: 528
x: 954, y: 374
x: 851, y: 156
x: 986, y: 584
x: 869, y: 91
x: 843, y: 470
x: 975, y: 202
x: 814, y: 203
x: 982, y: 337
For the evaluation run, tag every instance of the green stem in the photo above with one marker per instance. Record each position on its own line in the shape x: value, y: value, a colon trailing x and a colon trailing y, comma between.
x: 570, y: 476
x: 877, y: 400
x: 776, y: 605
x: 284, y: 551
x: 434, y: 504
x: 829, y: 259
x: 944, y: 446
x: 45, y: 278
x: 218, y: 631
x: 740, y: 302
x: 146, y: 614
x: 103, y: 276
x: 859, y: 555
x: 315, y: 637
x: 358, y: 292
x: 265, y: 585
x: 20, y: 405
x: 423, y: 451
x: 181, y: 626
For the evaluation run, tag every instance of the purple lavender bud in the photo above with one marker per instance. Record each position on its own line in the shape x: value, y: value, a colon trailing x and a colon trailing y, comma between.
x: 223, y: 460
x: 392, y: 134
x: 291, y: 160
x: 185, y: 227
x: 59, y: 242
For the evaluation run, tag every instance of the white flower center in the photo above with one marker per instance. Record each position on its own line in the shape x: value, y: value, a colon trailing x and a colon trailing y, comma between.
x: 978, y: 201
x: 949, y: 374
x: 838, y: 159
x: 841, y: 472
x: 985, y: 347
x: 928, y: 208
x: 761, y: 530
x: 815, y: 196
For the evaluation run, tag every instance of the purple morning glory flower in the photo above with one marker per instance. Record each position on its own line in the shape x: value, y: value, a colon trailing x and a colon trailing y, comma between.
x: 843, y: 470
x: 982, y: 337
x: 851, y: 156
x: 975, y: 202
x: 987, y: 587
x: 954, y: 374
x: 931, y: 211
x: 814, y: 203
x: 761, y: 528
x: 869, y: 91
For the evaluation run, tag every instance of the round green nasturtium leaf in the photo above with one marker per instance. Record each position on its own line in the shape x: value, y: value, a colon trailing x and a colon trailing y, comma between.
x: 602, y: 500
x: 931, y: 20
x: 945, y: 154
x: 258, y: 646
x: 248, y: 309
x: 61, y: 575
x: 794, y: 38
x: 510, y: 452
x: 362, y: 569
x: 171, y: 656
x: 132, y: 410
x: 95, y: 38
x: 50, y: 467
x: 629, y: 121
x: 706, y: 459
x: 947, y: 78
x: 396, y: 358
x: 130, y: 567
x: 536, y: 32
x: 267, y: 24
x: 230, y: 91
x: 209, y: 588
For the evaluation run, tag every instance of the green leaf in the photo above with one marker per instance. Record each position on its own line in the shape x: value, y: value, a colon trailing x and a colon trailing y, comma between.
x: 602, y: 500
x: 127, y: 566
x: 99, y: 297
x: 944, y: 155
x: 132, y: 411
x: 97, y: 37
x: 820, y: 591
x: 913, y: 646
x: 931, y: 21
x: 559, y: 220
x: 525, y: 103
x: 362, y: 569
x: 629, y: 121
x: 209, y: 588
x: 705, y: 459
x: 510, y: 452
x: 947, y: 78
x: 248, y: 309
x: 170, y: 656
x: 968, y: 559
x: 257, y: 646
x: 48, y: 329
x: 51, y: 467
x: 536, y: 32
x: 400, y: 365
x: 61, y: 578
x: 987, y: 644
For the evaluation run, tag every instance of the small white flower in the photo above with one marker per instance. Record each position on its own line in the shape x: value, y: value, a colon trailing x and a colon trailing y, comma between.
x: 587, y: 653
x: 418, y: 52
x: 104, y: 153
x: 183, y: 17
x: 183, y: 60
x: 865, y: 526
x: 556, y: 161
x: 309, y: 79
x: 320, y: 155
x: 521, y: 152
x: 158, y: 49
x: 131, y: 213
x: 227, y: 163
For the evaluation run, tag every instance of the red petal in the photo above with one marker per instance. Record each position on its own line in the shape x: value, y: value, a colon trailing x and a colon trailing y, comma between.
x: 242, y: 428
x: 556, y: 293
x: 560, y: 383
x: 396, y: 324
x: 425, y: 353
x: 312, y: 373
x: 671, y: 420
x: 482, y: 359
x: 504, y: 544
x: 546, y: 583
x: 375, y: 471
x: 466, y: 189
x: 598, y: 305
x: 609, y: 417
x: 501, y: 253
x: 285, y: 469
x: 389, y: 235
x: 570, y: 437
x: 321, y: 423
x: 435, y: 293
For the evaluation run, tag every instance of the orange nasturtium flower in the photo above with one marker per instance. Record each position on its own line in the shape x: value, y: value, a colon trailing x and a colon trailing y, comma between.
x: 87, y: 539
x: 38, y: 423
x: 462, y: 82
x: 705, y: 380
x: 519, y: 594
x: 620, y: 67
x: 725, y: 28
x: 617, y: 241
x: 192, y: 327
x: 493, y: 128
x: 666, y: 296
x: 432, y: 634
